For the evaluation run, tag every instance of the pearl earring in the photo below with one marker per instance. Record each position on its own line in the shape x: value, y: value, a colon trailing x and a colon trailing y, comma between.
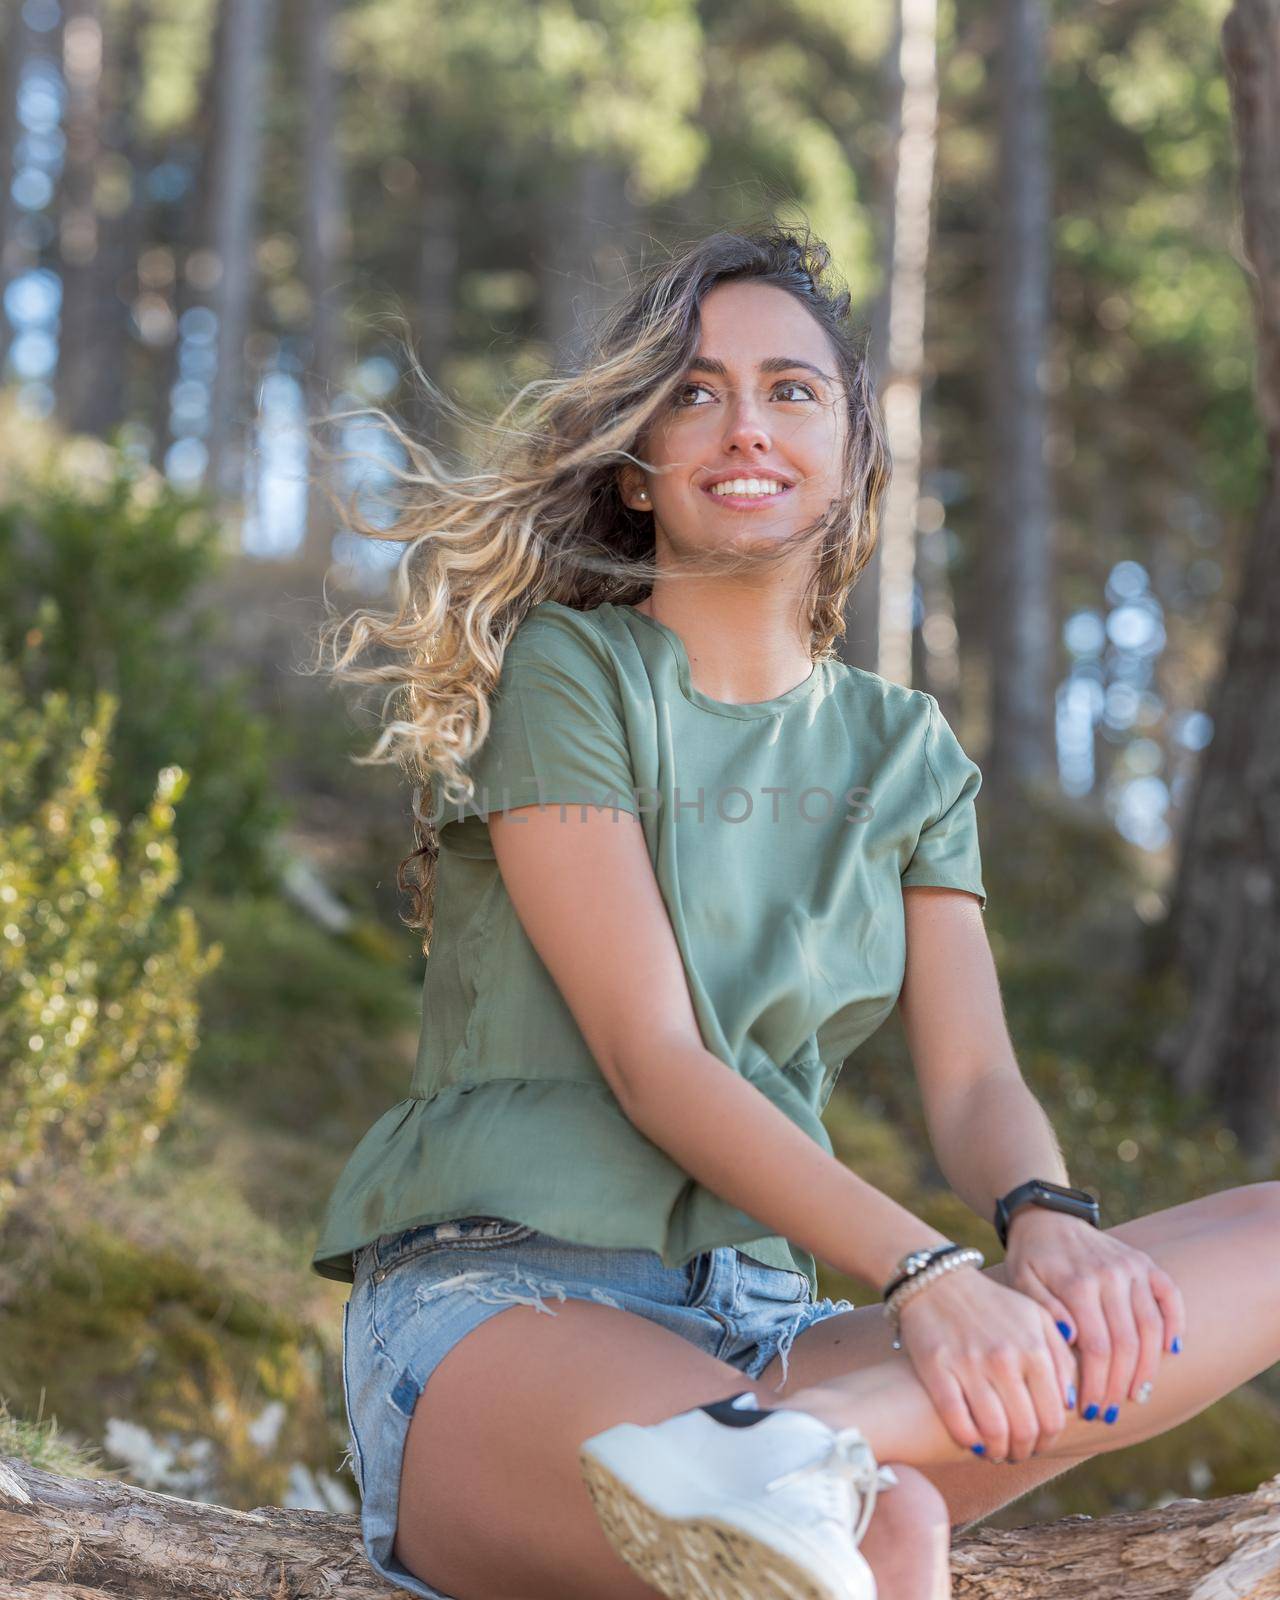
x: 642, y: 494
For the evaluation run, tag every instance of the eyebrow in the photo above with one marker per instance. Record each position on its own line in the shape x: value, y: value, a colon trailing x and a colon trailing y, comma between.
x: 769, y: 364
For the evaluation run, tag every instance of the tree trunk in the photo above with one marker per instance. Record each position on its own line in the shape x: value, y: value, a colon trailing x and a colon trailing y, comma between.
x: 191, y: 228
x: 99, y: 1539
x: 439, y: 254
x: 1223, y: 930
x: 1019, y: 569
x: 324, y: 246
x: 241, y: 108
x: 122, y: 235
x: 78, y: 222
x: 860, y: 646
x: 900, y: 386
x: 19, y: 245
x: 581, y: 250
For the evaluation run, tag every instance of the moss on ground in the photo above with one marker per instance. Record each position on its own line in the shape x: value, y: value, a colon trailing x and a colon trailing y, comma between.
x: 110, y: 1312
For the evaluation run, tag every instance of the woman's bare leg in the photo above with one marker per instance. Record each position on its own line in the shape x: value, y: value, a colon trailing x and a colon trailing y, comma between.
x: 493, y: 1505
x: 1220, y: 1250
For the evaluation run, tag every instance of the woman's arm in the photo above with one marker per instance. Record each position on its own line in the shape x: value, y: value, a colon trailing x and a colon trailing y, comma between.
x: 988, y: 1131
x: 584, y: 890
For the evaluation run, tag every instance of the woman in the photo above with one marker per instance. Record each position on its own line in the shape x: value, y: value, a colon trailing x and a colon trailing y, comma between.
x: 699, y: 861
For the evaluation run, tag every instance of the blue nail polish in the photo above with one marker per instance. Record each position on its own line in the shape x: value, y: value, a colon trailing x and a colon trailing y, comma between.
x: 978, y: 1449
x: 1071, y: 1396
x: 1064, y: 1328
x: 1111, y: 1413
x: 1089, y: 1413
x: 1176, y: 1346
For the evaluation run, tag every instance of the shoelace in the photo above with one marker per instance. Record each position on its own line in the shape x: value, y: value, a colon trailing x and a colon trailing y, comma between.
x: 848, y: 1458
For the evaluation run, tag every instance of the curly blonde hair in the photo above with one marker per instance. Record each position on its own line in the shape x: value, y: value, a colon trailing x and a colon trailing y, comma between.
x: 544, y: 519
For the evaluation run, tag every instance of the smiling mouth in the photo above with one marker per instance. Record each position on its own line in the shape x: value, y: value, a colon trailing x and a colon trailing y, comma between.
x: 748, y: 502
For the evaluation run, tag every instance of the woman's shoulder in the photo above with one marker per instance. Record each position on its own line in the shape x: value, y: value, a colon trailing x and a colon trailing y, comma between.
x: 565, y: 648
x: 569, y: 640
x: 550, y: 624
x: 878, y: 701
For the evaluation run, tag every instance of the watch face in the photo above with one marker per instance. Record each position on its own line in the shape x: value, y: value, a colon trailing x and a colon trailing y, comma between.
x: 1046, y: 1187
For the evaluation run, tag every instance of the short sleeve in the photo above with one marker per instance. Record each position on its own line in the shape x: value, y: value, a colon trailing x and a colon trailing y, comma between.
x: 557, y: 734
x: 947, y: 855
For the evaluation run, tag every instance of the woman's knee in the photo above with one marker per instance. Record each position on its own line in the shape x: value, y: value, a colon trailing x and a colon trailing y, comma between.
x: 1253, y: 1204
x: 908, y: 1541
x: 1263, y: 1199
x: 914, y: 1503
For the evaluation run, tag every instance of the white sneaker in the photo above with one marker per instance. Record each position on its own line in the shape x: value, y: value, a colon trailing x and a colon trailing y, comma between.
x: 697, y: 1504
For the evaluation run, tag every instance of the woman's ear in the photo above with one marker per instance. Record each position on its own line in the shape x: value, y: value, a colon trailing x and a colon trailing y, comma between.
x: 631, y: 487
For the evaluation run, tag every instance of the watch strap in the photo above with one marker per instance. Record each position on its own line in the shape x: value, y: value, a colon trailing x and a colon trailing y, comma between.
x: 1037, y: 1191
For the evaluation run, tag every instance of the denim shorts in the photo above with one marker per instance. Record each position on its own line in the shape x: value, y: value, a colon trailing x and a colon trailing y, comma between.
x: 417, y: 1293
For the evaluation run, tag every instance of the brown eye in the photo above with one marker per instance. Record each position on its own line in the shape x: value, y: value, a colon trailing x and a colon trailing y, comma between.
x: 786, y: 383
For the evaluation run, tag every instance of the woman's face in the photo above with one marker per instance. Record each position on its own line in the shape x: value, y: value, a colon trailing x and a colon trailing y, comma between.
x: 762, y: 399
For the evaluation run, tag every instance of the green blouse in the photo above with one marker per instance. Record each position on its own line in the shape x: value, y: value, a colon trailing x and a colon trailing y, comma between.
x: 781, y: 833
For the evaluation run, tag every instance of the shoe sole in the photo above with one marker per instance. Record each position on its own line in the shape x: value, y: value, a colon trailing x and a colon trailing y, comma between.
x: 694, y: 1558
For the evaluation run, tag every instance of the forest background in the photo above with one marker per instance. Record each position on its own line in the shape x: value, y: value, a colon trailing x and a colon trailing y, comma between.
x: 217, y: 219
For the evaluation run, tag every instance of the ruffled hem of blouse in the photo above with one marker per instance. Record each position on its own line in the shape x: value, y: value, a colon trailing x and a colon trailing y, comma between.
x: 474, y: 1150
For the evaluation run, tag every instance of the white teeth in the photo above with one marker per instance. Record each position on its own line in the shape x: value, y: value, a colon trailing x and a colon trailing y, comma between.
x: 749, y: 486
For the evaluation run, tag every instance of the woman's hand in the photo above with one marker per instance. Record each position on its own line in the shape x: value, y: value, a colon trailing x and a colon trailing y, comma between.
x: 1123, y: 1310
x: 997, y: 1369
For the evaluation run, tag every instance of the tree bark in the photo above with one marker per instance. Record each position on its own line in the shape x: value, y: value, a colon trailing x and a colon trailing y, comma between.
x: 439, y: 260
x: 1018, y: 569
x: 19, y: 232
x: 1222, y: 935
x: 901, y: 377
x: 99, y: 248
x: 241, y: 113
x: 78, y: 220
x: 860, y: 646
x: 99, y: 1539
x: 582, y: 247
x: 123, y: 233
x: 325, y: 246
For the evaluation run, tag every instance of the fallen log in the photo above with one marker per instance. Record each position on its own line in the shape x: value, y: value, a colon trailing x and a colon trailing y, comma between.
x: 100, y: 1539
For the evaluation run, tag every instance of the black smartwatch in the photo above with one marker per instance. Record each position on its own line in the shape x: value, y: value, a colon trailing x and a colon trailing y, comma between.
x: 1052, y: 1196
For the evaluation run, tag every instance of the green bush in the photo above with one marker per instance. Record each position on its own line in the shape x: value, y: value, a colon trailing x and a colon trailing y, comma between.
x: 98, y: 977
x: 302, y: 1028
x: 122, y: 555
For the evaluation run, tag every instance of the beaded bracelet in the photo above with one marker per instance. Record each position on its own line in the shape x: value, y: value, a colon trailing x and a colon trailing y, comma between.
x: 920, y: 1280
x: 931, y: 1256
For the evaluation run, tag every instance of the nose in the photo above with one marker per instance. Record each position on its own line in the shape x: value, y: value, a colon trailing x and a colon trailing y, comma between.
x: 745, y: 427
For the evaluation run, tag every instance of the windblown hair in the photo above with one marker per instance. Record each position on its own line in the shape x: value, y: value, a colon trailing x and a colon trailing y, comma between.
x: 543, y: 519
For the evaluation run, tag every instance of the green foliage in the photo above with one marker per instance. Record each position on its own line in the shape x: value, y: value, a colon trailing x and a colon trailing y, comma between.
x: 553, y: 77
x: 98, y: 977
x: 106, y: 559
x: 116, y: 1315
x: 297, y: 1021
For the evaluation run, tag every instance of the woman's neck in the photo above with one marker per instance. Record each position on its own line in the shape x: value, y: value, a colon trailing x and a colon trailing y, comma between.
x: 742, y: 648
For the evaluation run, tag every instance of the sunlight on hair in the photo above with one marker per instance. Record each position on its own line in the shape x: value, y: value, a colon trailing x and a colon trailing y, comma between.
x: 539, y: 516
